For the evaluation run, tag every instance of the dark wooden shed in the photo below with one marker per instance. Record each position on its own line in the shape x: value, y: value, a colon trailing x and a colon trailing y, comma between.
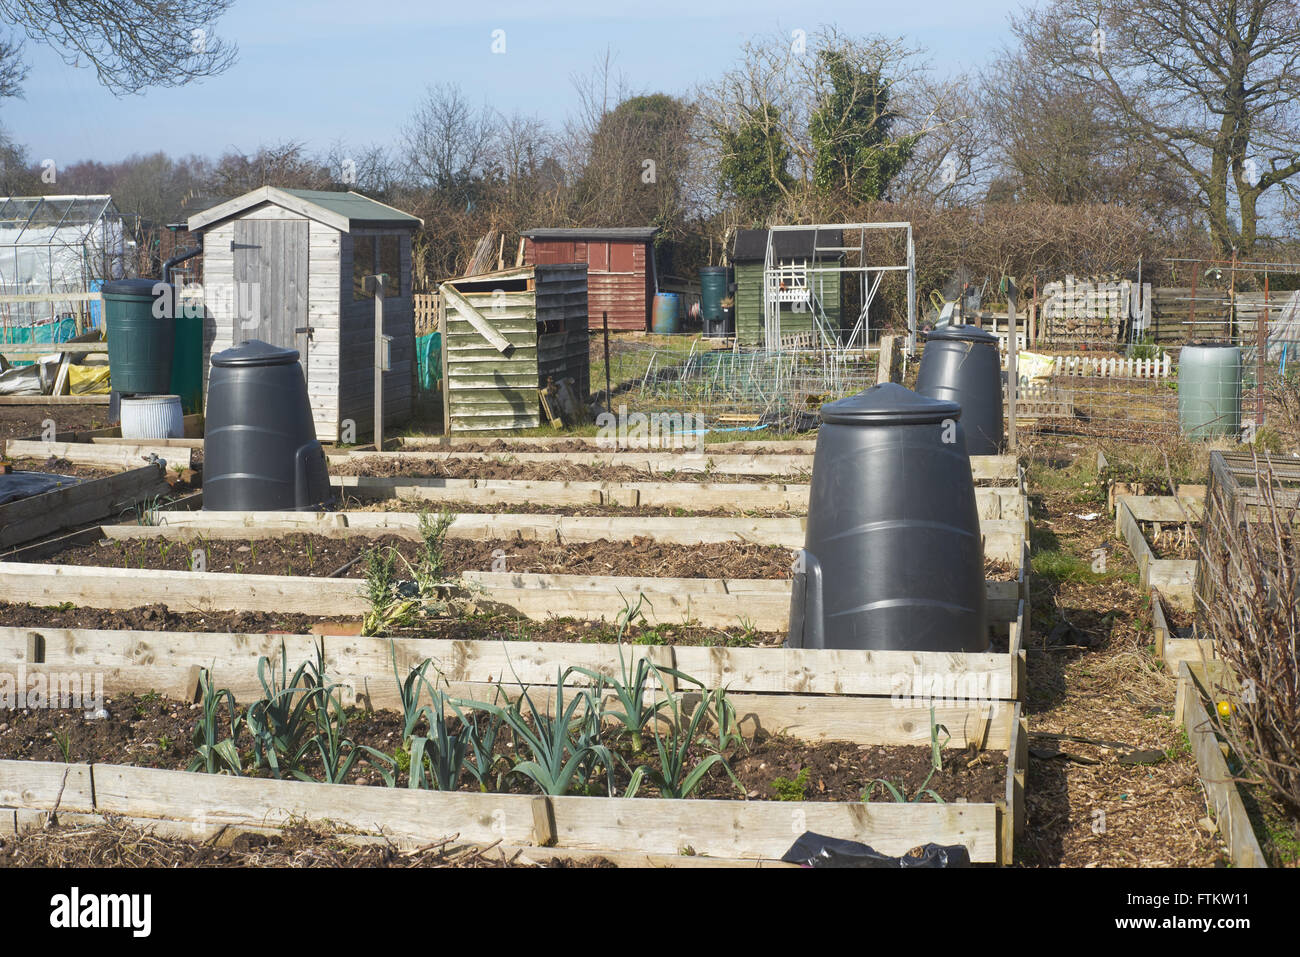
x: 621, y: 277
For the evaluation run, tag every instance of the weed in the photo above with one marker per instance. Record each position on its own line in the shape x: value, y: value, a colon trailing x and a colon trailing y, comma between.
x: 1181, y: 748
x: 788, y: 790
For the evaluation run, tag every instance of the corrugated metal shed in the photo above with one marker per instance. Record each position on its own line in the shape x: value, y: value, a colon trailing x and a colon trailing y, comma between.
x: 537, y: 316
x: 620, y: 268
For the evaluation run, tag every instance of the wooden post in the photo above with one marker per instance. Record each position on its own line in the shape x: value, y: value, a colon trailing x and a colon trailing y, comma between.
x: 1013, y: 377
x: 379, y: 363
x: 609, y: 394
x: 446, y: 383
x: 1261, y: 355
x: 888, y: 360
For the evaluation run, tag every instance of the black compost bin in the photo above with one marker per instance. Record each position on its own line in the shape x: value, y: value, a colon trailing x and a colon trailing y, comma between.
x: 893, y: 558
x: 962, y: 364
x: 260, y: 448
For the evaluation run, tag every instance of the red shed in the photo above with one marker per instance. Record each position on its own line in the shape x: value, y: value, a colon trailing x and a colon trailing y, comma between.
x: 620, y: 269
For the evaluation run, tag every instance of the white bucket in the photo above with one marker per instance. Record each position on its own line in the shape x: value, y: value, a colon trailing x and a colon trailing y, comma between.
x: 152, y: 417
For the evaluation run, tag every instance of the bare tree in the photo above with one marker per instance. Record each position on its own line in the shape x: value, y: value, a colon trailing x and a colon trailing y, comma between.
x: 130, y: 44
x: 448, y: 143
x: 1212, y: 88
x: 281, y: 164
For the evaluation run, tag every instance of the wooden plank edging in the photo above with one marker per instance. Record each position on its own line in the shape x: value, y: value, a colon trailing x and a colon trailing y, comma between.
x: 1229, y: 809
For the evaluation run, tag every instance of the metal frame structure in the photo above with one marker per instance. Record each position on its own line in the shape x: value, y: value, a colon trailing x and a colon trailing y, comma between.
x: 802, y: 285
x: 35, y: 231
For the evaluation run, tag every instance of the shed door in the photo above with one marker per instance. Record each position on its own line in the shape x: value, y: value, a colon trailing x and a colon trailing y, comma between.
x: 271, y: 283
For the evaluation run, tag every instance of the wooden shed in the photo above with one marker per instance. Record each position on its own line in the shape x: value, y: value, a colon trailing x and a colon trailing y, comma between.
x: 287, y: 266
x: 621, y: 277
x: 508, y: 334
x: 794, y: 249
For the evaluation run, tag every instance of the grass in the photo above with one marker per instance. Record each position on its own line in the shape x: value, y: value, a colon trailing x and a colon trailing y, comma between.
x: 1060, y: 566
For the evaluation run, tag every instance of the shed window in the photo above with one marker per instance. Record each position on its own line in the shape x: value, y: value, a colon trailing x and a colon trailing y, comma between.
x: 598, y: 257
x: 371, y: 254
x: 621, y: 257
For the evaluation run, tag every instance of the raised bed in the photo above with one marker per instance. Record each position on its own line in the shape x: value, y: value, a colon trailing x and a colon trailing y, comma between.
x: 1174, y: 644
x: 721, y: 829
x: 1007, y: 502
x: 92, y: 453
x: 1221, y: 789
x: 90, y: 500
x: 800, y: 693
x: 1174, y: 578
x: 998, y: 469
x: 1003, y: 537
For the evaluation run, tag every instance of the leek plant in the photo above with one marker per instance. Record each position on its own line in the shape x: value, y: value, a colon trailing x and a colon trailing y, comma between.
x: 278, y: 723
x: 443, y: 751
x: 481, y: 730
x: 338, y: 752
x: 559, y: 761
x: 672, y: 777
x: 896, y: 791
x: 214, y: 754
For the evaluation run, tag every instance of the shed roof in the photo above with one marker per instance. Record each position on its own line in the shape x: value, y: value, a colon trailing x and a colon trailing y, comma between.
x: 341, y: 210
x: 751, y: 244
x: 643, y: 234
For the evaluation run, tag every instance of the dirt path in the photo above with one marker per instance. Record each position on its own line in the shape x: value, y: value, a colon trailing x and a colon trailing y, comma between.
x: 1093, y: 673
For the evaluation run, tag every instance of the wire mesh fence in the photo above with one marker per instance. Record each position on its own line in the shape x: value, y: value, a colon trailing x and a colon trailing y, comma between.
x: 1104, y: 389
x: 782, y: 388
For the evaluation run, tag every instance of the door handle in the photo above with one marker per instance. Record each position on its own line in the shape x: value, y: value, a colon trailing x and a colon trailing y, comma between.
x: 305, y: 330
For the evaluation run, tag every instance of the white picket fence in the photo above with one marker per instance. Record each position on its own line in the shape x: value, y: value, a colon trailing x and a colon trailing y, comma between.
x: 1113, y: 367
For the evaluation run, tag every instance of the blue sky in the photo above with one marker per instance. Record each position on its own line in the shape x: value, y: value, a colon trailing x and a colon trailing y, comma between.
x: 354, y: 71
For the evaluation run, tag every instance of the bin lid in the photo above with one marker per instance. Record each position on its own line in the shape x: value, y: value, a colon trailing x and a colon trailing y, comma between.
x: 963, y: 334
x: 255, y: 352
x: 142, y: 288
x: 888, y: 404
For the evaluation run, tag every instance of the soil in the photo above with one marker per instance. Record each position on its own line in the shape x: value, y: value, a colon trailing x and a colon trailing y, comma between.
x: 541, y: 471
x: 540, y: 508
x: 319, y: 556
x: 150, y: 731
x: 1179, y: 619
x: 27, y: 421
x: 156, y: 618
x: 590, y: 445
x: 57, y: 466
x: 117, y: 843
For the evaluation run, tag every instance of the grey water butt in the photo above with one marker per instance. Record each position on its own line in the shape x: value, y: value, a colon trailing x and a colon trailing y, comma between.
x: 260, y: 448
x: 962, y: 364
x: 893, y: 557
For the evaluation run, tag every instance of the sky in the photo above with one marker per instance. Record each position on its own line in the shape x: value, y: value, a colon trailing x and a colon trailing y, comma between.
x: 354, y: 72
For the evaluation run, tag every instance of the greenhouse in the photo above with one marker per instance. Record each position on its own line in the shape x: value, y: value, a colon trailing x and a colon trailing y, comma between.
x: 52, y: 247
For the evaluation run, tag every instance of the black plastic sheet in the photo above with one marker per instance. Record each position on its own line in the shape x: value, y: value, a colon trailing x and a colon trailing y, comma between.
x: 817, y: 850
x: 18, y: 485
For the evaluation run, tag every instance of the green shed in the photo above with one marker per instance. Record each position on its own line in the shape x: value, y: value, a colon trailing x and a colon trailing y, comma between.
x: 795, y: 251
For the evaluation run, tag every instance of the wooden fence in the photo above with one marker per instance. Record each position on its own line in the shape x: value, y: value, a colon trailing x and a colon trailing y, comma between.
x: 426, y: 313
